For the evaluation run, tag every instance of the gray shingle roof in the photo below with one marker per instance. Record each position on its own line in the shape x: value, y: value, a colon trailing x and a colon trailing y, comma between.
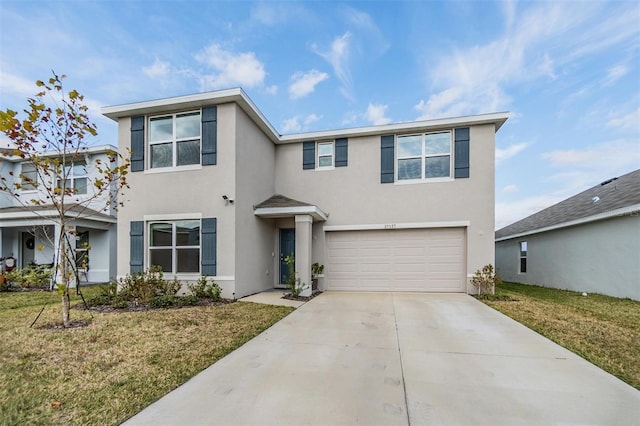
x: 281, y: 201
x: 607, y: 196
x: 76, y: 208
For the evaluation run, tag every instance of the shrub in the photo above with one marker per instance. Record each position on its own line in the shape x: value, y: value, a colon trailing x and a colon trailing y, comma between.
x: 293, y: 282
x: 147, y: 285
x: 486, y: 279
x: 188, y: 300
x: 165, y: 301
x: 35, y: 276
x: 108, y: 295
x: 205, y: 289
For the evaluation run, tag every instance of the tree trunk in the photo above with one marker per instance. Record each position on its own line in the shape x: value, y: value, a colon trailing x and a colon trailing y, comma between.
x: 65, y: 307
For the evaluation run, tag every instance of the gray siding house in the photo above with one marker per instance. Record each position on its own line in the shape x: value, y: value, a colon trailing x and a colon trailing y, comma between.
x: 587, y: 243
x: 216, y: 191
x: 29, y: 234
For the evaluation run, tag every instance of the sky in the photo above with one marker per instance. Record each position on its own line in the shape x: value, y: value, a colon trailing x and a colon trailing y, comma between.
x: 568, y: 72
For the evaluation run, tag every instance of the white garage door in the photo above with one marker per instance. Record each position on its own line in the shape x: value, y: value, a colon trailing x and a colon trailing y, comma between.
x: 396, y: 260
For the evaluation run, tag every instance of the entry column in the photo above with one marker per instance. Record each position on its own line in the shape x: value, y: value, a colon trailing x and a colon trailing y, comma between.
x: 304, y: 224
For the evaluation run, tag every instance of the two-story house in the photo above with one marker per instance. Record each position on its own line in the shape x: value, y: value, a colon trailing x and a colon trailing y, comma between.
x: 216, y: 191
x: 30, y: 233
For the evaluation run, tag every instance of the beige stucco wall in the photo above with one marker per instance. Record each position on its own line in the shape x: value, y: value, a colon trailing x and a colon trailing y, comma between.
x: 598, y: 257
x: 255, y: 176
x: 353, y: 195
x: 196, y: 193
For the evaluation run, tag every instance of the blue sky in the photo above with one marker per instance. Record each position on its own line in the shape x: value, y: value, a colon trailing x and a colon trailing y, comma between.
x: 569, y: 72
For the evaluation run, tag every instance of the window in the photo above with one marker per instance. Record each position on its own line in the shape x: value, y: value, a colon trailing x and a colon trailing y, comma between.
x: 29, y: 177
x: 74, y: 178
x: 424, y: 156
x: 174, y: 140
x: 175, y: 246
x: 325, y: 154
x: 82, y: 250
x: 523, y: 257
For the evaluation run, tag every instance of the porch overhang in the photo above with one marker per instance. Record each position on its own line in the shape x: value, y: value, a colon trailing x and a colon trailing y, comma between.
x: 279, y: 206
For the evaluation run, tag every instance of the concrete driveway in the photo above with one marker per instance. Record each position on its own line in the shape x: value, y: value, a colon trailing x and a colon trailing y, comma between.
x: 398, y: 359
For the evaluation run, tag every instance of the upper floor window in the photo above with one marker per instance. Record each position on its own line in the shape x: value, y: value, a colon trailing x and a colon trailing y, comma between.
x: 175, y: 246
x: 523, y: 257
x: 29, y: 177
x: 174, y: 140
x: 424, y: 156
x: 75, y: 178
x: 325, y: 154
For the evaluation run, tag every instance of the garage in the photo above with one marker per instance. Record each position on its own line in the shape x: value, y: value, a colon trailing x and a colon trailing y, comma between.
x: 425, y: 260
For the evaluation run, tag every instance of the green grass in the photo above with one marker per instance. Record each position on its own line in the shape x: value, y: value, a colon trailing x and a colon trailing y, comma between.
x: 120, y: 363
x: 604, y: 330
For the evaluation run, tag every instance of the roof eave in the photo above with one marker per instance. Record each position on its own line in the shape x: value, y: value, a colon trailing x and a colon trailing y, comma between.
x: 496, y: 118
x: 280, y: 212
x: 624, y: 211
x: 197, y: 100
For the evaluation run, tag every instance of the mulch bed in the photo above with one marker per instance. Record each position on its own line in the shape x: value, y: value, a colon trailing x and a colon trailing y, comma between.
x: 302, y: 298
x: 140, y: 307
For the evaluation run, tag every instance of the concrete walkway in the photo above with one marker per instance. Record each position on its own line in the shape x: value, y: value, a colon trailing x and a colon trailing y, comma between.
x: 272, y: 297
x: 398, y: 359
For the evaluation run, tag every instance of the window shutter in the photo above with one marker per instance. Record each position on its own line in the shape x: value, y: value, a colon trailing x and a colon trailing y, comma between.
x: 387, y: 159
x: 308, y: 155
x: 209, y: 248
x: 137, y: 143
x: 209, y: 135
x: 136, y: 256
x: 342, y: 152
x: 461, y: 153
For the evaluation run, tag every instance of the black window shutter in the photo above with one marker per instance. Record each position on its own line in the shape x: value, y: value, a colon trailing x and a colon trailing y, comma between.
x: 387, y: 159
x: 461, y: 152
x: 342, y: 152
x: 137, y: 143
x: 209, y: 248
x: 209, y: 135
x: 308, y: 155
x: 136, y: 255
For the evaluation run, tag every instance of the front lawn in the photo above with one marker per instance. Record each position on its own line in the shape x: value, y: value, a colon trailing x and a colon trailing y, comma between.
x: 604, y: 330
x: 120, y: 363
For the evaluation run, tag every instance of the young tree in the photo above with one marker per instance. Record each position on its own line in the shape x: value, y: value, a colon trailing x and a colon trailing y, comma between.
x: 53, y: 136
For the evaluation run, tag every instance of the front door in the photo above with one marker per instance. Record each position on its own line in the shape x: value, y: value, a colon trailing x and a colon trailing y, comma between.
x: 28, y: 253
x: 287, y: 248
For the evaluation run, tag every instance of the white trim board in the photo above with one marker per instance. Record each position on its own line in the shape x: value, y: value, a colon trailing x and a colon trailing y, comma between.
x: 392, y: 226
x: 625, y: 211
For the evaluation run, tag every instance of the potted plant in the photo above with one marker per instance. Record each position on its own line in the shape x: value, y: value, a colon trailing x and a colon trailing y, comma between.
x: 316, y: 272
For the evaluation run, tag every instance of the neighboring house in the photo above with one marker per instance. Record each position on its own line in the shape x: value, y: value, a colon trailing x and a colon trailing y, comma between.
x: 216, y: 191
x: 587, y: 243
x: 29, y: 234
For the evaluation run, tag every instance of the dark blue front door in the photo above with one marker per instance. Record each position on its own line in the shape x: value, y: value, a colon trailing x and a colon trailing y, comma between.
x: 287, y: 248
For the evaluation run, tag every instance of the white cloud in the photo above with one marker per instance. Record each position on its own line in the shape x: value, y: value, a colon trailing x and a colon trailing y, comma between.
x: 338, y: 57
x: 376, y: 114
x: 299, y: 123
x: 510, y: 151
x: 305, y: 83
x: 230, y: 68
x: 510, y: 188
x: 271, y: 90
x: 629, y: 121
x: 17, y: 85
x: 364, y: 24
x: 548, y: 37
x: 612, y: 154
x: 158, y: 70
x: 446, y: 103
x: 510, y: 212
x: 615, y: 73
